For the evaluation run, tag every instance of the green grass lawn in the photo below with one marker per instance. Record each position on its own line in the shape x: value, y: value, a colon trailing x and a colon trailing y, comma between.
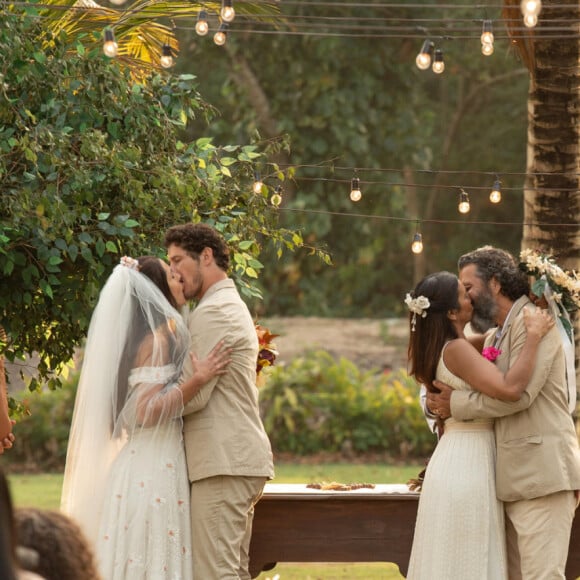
x: 43, y: 490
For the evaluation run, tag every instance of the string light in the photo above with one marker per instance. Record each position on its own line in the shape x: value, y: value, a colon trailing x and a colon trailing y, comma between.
x: 276, y: 198
x: 257, y: 187
x: 423, y: 60
x: 355, y: 192
x: 487, y: 32
x: 487, y: 38
x: 531, y: 7
x: 166, y: 59
x: 110, y: 46
x: 495, y: 195
x: 228, y: 13
x: 487, y: 49
x: 201, y: 26
x: 220, y: 36
x: 438, y: 62
x: 531, y: 10
x: 417, y: 244
x: 530, y: 20
x: 463, y: 206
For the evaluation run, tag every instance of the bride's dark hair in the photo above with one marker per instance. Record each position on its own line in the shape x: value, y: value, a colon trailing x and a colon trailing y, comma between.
x: 151, y: 267
x: 432, y: 332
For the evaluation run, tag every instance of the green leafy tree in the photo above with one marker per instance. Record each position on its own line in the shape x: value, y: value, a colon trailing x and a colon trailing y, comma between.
x: 94, y: 166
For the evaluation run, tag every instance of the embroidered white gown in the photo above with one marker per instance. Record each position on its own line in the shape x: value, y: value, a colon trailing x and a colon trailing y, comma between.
x: 145, y: 531
x: 459, y: 532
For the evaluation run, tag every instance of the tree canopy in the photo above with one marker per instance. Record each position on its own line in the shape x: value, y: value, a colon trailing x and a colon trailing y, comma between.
x: 95, y: 166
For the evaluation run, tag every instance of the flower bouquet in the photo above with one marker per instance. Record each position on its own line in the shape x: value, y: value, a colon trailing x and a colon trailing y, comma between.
x: 267, y: 352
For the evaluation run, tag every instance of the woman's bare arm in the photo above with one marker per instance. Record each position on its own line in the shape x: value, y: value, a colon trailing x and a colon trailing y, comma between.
x: 484, y: 376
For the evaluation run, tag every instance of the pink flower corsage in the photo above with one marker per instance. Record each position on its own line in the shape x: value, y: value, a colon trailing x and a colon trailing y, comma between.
x: 491, y: 353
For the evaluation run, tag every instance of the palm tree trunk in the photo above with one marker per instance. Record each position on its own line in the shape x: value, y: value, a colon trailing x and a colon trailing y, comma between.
x: 552, y: 186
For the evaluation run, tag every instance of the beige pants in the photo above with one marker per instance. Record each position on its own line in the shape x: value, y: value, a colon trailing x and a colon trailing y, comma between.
x: 538, y: 536
x: 222, y: 511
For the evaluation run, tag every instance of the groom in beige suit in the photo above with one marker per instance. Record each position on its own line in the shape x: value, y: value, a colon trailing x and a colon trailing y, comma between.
x: 229, y: 458
x: 538, y: 459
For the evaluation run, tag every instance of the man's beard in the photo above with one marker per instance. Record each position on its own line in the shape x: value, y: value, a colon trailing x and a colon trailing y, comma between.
x: 484, y: 311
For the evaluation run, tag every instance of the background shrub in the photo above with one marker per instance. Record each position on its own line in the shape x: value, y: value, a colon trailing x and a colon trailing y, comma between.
x: 42, y: 432
x: 316, y: 403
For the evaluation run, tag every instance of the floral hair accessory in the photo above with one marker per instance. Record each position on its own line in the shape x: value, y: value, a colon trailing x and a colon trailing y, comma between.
x: 418, y: 306
x: 130, y: 263
x: 491, y: 353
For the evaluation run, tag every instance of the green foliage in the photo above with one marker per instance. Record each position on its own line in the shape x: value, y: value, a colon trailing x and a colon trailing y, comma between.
x: 316, y: 404
x: 42, y: 432
x: 94, y: 166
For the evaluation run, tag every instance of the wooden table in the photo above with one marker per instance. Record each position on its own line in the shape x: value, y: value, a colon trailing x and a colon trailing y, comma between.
x: 293, y: 523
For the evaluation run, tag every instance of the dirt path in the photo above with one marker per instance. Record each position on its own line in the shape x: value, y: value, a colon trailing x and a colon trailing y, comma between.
x: 369, y: 343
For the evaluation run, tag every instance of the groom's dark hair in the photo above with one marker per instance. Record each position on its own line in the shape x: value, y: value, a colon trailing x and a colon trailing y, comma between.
x: 495, y: 263
x: 193, y: 238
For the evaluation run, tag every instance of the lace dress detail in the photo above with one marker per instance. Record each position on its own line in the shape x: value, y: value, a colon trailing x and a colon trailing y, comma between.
x: 459, y: 533
x: 145, y: 527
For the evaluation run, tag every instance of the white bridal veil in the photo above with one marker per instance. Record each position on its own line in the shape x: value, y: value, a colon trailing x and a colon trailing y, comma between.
x: 134, y: 351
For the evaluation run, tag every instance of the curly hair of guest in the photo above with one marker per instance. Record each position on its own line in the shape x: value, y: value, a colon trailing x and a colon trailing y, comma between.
x: 63, y: 551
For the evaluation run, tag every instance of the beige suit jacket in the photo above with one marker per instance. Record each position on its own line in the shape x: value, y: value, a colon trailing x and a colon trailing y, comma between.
x: 222, y: 430
x: 537, y: 446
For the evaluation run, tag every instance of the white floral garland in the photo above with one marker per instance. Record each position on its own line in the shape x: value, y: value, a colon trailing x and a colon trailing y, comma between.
x: 561, y: 289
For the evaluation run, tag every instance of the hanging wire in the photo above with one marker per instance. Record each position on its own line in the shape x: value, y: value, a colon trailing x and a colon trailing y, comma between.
x: 423, y: 221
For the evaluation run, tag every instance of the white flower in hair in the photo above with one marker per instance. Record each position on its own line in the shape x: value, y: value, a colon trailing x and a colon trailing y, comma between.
x: 418, y: 306
x: 130, y: 263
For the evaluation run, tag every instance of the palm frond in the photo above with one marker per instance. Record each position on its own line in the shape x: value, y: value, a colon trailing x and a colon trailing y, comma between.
x: 141, y: 27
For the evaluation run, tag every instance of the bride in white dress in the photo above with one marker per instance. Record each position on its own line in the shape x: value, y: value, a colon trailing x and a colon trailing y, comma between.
x: 459, y: 532
x: 125, y: 478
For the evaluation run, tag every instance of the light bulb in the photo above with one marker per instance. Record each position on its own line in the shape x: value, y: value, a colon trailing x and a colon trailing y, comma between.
x: 166, y: 59
x: 201, y: 26
x: 423, y: 60
x: 228, y: 13
x: 530, y: 20
x: 276, y: 198
x: 487, y: 33
x: 220, y: 36
x: 438, y: 64
x: 110, y: 47
x: 464, y: 206
x: 417, y: 245
x: 355, y: 192
x: 495, y: 195
x: 531, y: 7
x: 257, y: 187
x: 487, y: 49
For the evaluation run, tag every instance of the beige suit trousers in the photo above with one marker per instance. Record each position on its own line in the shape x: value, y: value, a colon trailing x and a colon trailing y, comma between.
x: 538, y: 536
x: 222, y: 511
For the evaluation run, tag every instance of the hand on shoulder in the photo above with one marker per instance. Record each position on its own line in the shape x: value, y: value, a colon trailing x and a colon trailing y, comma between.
x: 538, y: 322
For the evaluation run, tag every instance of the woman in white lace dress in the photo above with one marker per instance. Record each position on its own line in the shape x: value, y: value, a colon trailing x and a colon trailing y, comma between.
x: 459, y: 532
x: 125, y: 477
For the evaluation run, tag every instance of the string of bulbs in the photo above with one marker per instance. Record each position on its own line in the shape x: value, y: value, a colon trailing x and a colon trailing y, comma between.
x: 429, y: 55
x: 417, y: 245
